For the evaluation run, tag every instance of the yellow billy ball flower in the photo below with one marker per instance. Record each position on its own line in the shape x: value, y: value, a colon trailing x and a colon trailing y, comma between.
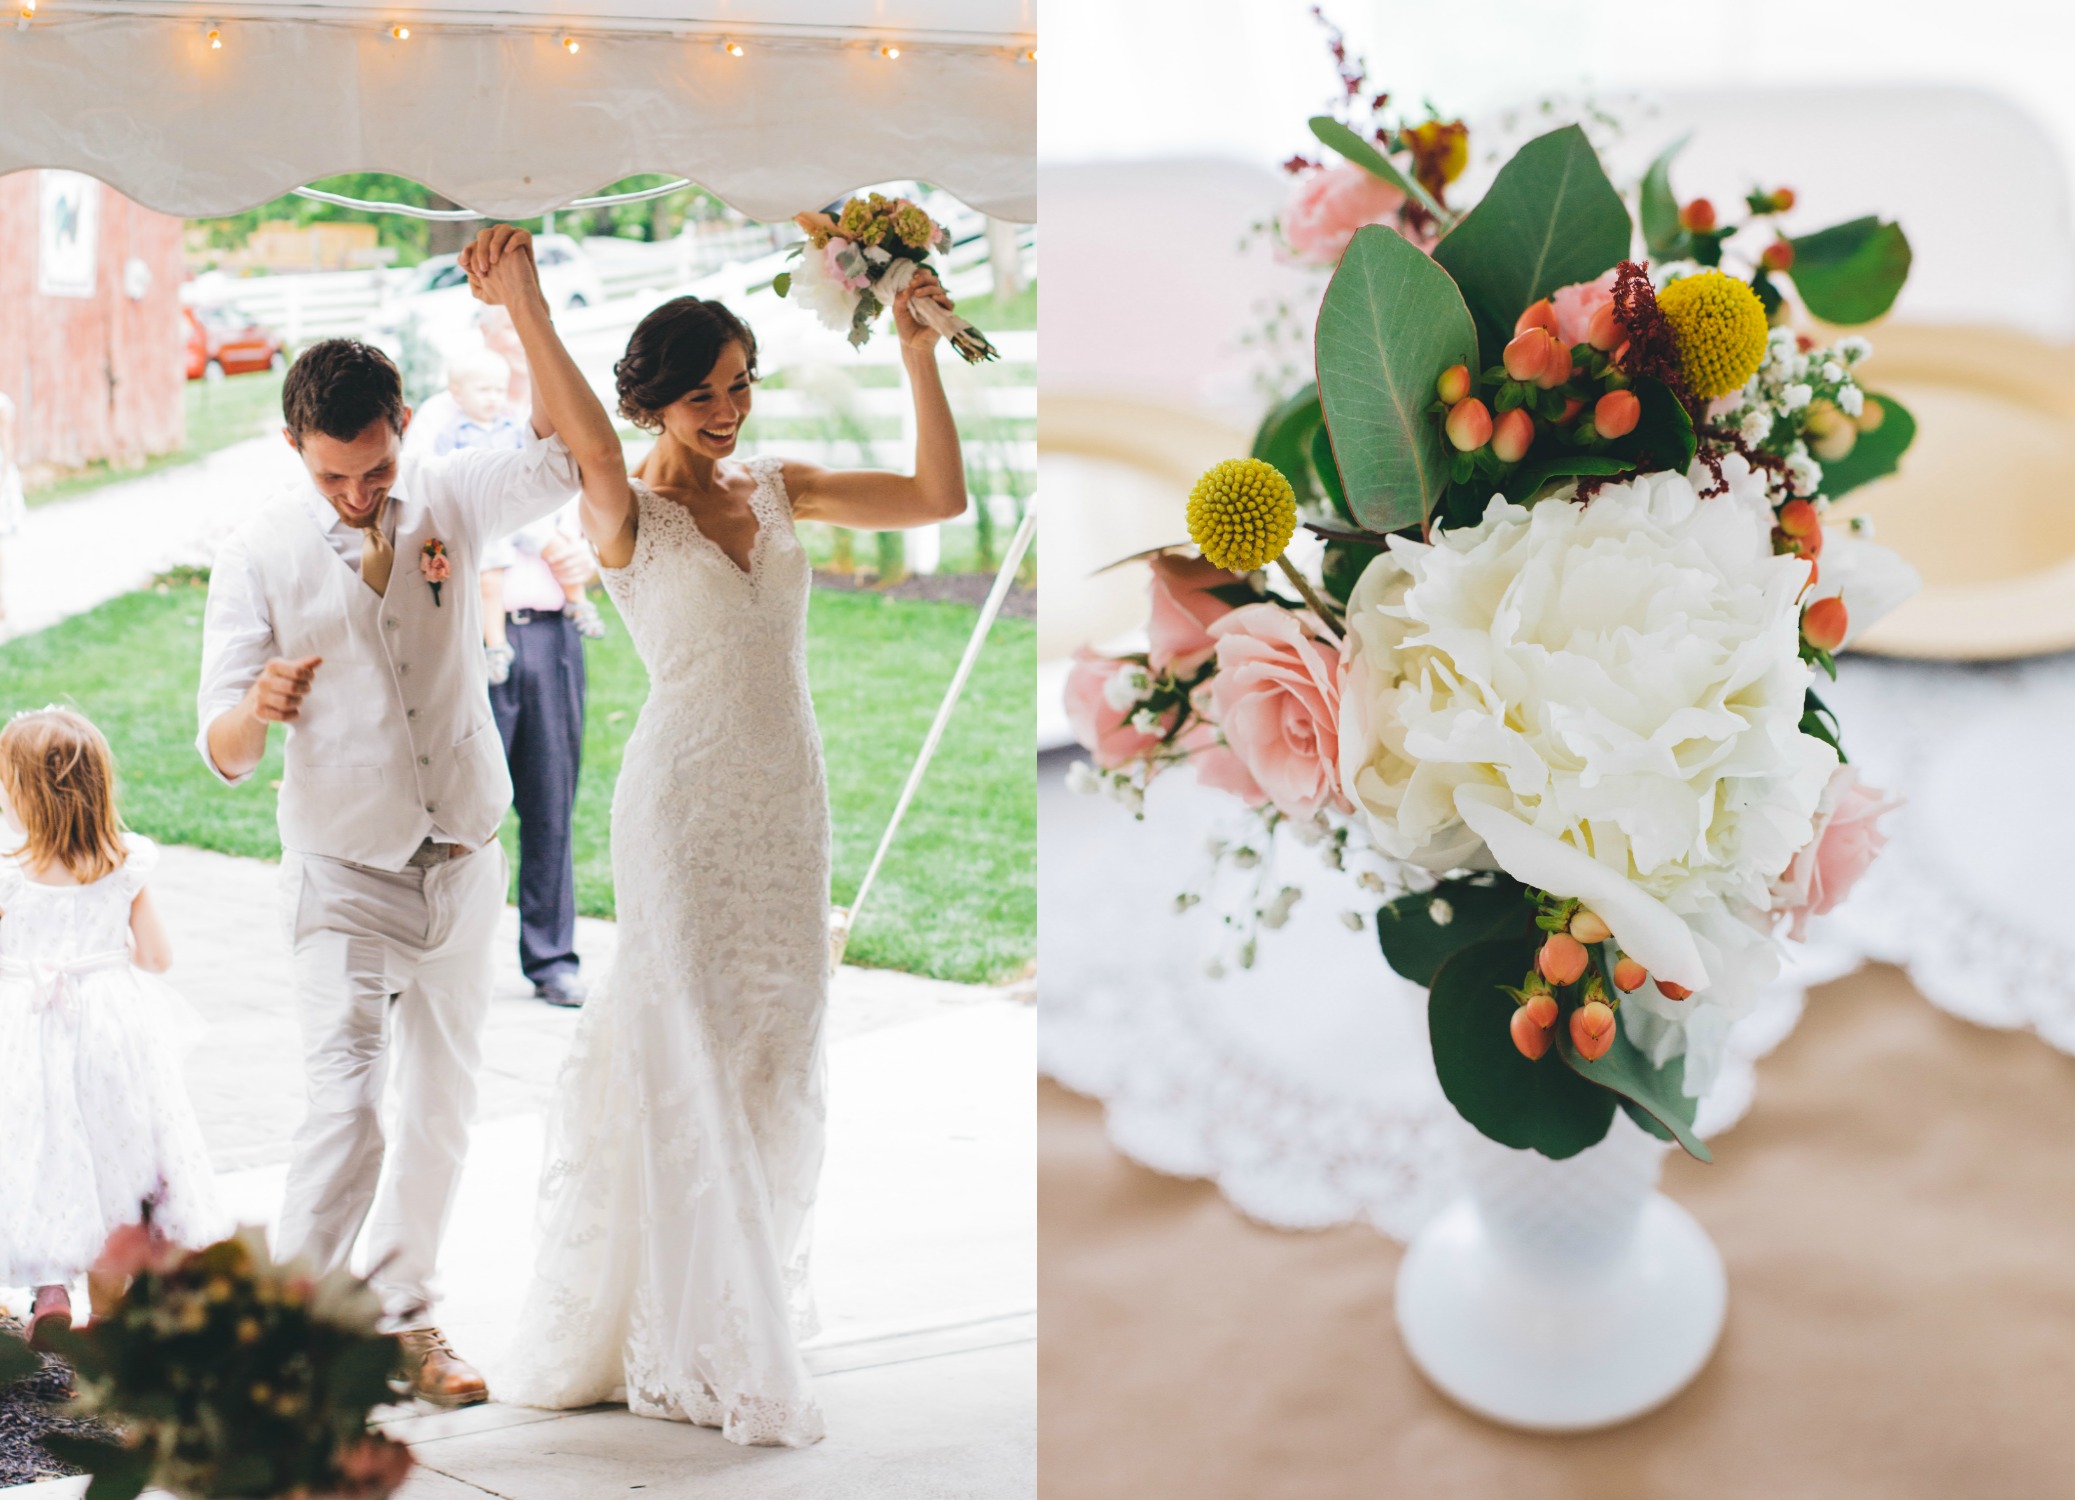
x: 1242, y: 513
x: 1721, y: 329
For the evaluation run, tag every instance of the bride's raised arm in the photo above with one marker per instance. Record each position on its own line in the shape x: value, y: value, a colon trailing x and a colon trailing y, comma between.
x: 500, y: 270
x: 874, y: 499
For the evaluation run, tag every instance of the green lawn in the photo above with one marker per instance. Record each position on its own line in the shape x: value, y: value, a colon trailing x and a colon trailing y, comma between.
x: 219, y: 413
x: 956, y: 900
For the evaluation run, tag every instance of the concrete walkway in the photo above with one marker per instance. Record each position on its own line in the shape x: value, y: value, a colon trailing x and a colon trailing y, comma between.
x: 925, y: 1246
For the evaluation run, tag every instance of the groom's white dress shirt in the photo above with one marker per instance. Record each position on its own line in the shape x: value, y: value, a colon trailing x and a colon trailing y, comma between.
x: 394, y: 743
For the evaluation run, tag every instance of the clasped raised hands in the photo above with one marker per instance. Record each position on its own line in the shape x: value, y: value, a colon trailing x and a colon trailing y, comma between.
x: 500, y: 266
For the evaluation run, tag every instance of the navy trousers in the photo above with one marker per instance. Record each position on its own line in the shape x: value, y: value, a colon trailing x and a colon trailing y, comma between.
x: 540, y: 716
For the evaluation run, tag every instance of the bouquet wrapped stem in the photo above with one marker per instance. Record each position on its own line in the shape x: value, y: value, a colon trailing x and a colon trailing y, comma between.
x: 855, y: 263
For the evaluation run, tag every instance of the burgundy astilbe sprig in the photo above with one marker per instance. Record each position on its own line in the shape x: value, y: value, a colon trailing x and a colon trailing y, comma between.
x: 1653, y: 353
x: 1353, y: 72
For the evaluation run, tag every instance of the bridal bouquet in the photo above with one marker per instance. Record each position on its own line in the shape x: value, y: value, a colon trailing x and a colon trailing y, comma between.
x: 855, y: 263
x: 228, y: 1375
x: 1550, y: 687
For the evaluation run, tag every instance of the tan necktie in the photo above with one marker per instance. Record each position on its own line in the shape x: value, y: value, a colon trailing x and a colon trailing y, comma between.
x: 377, y: 556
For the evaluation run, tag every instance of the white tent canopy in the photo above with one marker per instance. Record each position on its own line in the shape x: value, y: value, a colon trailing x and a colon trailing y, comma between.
x: 488, y: 103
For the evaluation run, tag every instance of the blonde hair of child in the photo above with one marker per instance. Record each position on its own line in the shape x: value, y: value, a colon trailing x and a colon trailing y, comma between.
x: 58, y: 776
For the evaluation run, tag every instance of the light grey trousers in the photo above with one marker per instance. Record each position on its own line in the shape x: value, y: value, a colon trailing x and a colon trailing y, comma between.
x: 392, y: 974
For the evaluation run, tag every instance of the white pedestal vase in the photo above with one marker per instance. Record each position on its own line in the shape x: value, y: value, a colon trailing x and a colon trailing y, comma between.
x: 1561, y: 1296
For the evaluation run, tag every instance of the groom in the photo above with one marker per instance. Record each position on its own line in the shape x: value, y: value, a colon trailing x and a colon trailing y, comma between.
x: 346, y: 608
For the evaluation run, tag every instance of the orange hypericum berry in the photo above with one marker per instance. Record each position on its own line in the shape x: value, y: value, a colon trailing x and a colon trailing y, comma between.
x: 1541, y: 1009
x: 1469, y: 425
x: 1871, y: 415
x: 1698, y: 216
x: 1592, y: 1030
x: 1532, y: 1040
x: 1778, y: 256
x: 1571, y: 407
x: 1823, y: 624
x: 1512, y: 435
x: 1556, y: 364
x: 1527, y: 354
x: 1628, y: 974
x: 1616, y: 414
x: 1782, y: 199
x: 1798, y: 518
x: 1454, y: 383
x: 1603, y: 330
x: 1540, y: 314
x: 1561, y: 959
x: 1588, y: 928
x: 1673, y: 991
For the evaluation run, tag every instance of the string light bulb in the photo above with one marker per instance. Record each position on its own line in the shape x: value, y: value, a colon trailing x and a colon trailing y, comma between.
x: 889, y: 52
x: 571, y: 45
x: 28, y: 11
x: 215, y: 38
x: 733, y: 49
x: 401, y: 33
x: 1030, y: 54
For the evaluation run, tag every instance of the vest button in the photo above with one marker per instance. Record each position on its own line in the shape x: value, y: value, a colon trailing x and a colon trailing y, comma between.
x: 410, y: 713
x: 402, y: 667
x: 424, y: 760
x: 431, y: 807
x: 389, y: 624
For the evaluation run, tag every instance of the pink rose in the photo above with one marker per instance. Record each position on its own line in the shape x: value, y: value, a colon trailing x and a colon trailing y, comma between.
x: 1183, y: 610
x: 1576, y: 304
x: 832, y: 256
x: 1099, y: 708
x: 436, y: 568
x: 1846, y: 840
x: 133, y: 1249
x: 1276, y: 697
x: 1329, y: 204
x: 1214, y: 762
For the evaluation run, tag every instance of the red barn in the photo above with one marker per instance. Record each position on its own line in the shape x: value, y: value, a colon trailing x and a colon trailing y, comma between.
x: 92, y: 344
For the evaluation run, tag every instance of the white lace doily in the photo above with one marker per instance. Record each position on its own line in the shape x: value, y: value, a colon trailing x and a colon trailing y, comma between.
x: 1304, y: 1088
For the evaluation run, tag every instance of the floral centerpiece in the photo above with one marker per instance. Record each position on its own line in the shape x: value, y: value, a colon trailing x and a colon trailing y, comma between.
x: 1551, y: 686
x: 230, y: 1376
x: 855, y: 262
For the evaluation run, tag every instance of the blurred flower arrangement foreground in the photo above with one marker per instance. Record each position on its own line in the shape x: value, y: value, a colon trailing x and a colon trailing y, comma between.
x: 1549, y: 687
x: 222, y: 1374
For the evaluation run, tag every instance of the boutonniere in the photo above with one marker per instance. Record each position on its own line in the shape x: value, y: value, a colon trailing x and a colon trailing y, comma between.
x: 433, y: 565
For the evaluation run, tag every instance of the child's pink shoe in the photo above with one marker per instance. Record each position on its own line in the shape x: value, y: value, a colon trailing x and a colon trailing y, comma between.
x: 53, y: 1307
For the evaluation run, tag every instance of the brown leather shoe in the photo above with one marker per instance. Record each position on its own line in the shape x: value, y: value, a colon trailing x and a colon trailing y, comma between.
x: 438, y: 1374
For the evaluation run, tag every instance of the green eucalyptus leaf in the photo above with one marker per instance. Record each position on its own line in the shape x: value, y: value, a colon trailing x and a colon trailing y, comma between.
x: 1663, y: 432
x: 1284, y: 440
x: 1850, y: 273
x: 1365, y: 155
x: 1391, y: 322
x: 1550, y: 218
x: 1658, y: 1092
x: 1326, y: 472
x: 1659, y: 205
x: 1537, y: 1105
x: 1875, y: 453
x: 17, y: 1360
x: 119, y: 1473
x: 1478, y: 908
x: 782, y: 282
x: 1533, y: 473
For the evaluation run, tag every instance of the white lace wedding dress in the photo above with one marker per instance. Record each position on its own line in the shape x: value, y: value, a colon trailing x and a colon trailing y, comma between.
x: 686, y: 1138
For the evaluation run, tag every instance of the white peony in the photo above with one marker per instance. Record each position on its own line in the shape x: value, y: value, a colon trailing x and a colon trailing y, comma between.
x: 821, y: 291
x: 1604, y: 701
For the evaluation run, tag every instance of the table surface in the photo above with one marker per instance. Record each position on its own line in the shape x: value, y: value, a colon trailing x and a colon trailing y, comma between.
x: 1898, y: 1218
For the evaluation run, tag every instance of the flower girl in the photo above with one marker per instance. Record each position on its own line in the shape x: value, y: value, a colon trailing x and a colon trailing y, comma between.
x: 93, y: 1113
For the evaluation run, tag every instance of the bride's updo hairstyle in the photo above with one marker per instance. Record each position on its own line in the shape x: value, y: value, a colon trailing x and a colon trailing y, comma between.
x: 673, y: 349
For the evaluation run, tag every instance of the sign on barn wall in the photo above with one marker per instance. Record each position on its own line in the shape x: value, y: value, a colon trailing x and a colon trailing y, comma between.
x: 68, y: 235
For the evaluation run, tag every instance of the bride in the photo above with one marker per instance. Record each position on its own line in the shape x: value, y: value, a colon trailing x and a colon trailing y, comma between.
x: 686, y: 1137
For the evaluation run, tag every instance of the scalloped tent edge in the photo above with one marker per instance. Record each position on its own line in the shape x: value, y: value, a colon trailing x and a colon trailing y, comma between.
x: 503, y: 119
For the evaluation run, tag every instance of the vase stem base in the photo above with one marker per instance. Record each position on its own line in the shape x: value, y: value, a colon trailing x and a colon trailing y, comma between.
x: 1556, y: 1348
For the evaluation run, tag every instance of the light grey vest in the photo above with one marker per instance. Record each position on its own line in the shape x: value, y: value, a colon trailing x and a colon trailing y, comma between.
x: 396, y: 733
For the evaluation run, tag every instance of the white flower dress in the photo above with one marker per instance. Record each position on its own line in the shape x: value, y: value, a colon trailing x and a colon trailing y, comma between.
x: 685, y: 1142
x: 94, y: 1114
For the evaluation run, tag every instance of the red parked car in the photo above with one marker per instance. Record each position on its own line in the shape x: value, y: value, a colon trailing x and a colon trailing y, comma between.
x: 223, y: 341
